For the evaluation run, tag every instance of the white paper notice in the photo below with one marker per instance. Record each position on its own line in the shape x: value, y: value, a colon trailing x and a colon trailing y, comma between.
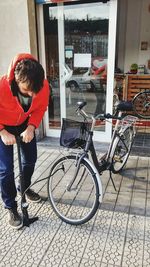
x: 82, y: 60
x: 69, y: 53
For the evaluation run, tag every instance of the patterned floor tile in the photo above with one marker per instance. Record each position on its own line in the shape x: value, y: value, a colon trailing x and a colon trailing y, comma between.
x: 131, y: 260
x: 89, y: 263
x: 117, y: 236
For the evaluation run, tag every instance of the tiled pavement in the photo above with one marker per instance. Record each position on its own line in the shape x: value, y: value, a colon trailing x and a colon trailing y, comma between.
x: 117, y: 236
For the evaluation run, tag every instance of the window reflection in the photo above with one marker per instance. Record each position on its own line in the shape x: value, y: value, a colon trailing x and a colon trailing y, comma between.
x: 85, y: 32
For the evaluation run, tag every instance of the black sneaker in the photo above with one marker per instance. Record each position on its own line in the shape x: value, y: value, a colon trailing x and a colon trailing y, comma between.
x: 14, y: 219
x: 32, y: 196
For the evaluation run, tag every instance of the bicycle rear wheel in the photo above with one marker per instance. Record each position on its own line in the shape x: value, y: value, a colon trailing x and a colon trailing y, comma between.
x: 141, y: 105
x: 78, y: 204
x: 121, y: 149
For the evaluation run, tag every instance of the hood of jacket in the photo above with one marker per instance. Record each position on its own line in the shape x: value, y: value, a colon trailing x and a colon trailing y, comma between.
x: 12, y: 66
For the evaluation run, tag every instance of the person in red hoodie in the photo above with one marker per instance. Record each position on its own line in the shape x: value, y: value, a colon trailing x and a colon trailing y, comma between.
x: 24, y: 97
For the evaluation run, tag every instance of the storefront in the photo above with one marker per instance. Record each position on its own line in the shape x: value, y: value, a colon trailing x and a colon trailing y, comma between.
x: 77, y: 48
x: 72, y: 39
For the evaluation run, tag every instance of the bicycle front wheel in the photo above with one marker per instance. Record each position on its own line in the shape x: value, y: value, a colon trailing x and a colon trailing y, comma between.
x: 141, y: 105
x: 74, y: 200
x: 121, y: 149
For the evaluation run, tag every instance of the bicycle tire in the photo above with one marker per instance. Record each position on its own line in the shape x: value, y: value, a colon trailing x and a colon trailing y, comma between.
x: 121, y: 149
x: 141, y: 105
x: 80, y: 204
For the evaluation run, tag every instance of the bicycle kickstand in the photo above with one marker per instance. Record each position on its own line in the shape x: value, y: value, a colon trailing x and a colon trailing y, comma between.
x: 110, y: 175
x: 24, y: 205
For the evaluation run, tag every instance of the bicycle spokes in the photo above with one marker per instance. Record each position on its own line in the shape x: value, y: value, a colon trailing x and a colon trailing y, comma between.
x: 141, y: 104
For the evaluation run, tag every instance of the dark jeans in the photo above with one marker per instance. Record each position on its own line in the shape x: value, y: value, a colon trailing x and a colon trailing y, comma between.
x: 7, y: 181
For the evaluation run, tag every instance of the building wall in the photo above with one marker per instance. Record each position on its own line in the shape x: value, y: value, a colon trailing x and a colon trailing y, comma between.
x: 132, y: 33
x: 133, y: 28
x: 18, y: 34
x: 144, y: 55
x: 121, y: 33
x: 17, y: 30
x: 129, y: 25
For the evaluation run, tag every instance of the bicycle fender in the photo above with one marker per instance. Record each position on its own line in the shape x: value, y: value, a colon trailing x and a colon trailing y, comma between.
x: 95, y: 171
x: 116, y: 140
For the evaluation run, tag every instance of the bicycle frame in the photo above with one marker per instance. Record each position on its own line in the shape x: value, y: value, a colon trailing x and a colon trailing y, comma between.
x: 106, y: 160
x: 90, y: 145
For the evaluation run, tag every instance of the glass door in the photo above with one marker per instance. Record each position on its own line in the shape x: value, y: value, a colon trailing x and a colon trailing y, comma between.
x: 86, y: 54
x: 77, y: 40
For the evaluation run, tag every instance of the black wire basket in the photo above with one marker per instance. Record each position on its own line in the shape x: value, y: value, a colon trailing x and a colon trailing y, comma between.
x: 73, y: 133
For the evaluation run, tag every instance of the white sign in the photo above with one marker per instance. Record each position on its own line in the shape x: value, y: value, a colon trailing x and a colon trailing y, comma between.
x: 68, y: 53
x: 82, y: 60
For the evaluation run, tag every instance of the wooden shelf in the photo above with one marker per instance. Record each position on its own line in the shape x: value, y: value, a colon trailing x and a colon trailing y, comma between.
x: 135, y: 84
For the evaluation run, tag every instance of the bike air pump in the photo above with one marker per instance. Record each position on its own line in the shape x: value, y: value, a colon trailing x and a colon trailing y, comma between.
x: 24, y: 205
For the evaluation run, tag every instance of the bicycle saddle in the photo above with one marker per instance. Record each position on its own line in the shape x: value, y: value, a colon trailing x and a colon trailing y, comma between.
x: 124, y: 106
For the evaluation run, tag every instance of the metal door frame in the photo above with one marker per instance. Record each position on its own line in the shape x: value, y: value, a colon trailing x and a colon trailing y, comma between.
x: 98, y: 135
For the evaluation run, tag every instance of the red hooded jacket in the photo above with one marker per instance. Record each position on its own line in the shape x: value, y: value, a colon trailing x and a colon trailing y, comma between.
x: 11, y: 112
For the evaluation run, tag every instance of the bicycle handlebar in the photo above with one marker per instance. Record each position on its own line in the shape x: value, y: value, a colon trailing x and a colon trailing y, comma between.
x: 107, y: 116
x: 99, y: 116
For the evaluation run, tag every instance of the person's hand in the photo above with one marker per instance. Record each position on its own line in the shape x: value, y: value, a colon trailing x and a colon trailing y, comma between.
x: 7, y: 138
x: 28, y: 134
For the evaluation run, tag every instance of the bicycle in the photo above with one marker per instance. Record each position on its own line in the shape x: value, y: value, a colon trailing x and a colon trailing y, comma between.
x: 74, y: 185
x: 141, y: 104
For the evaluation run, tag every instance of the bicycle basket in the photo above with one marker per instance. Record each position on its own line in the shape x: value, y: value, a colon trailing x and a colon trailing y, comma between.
x: 73, y: 133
